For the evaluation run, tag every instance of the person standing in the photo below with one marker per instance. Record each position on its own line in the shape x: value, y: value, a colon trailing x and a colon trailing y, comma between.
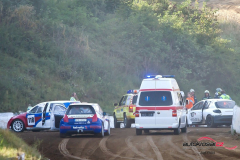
x: 29, y: 107
x: 218, y: 93
x: 193, y: 94
x: 190, y: 99
x: 225, y: 96
x: 74, y: 97
x: 206, y: 95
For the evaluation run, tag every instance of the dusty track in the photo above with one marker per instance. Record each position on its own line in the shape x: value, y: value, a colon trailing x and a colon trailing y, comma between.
x: 124, y: 144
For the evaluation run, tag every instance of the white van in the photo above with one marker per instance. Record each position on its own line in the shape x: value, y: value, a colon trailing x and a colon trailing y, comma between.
x: 160, y: 106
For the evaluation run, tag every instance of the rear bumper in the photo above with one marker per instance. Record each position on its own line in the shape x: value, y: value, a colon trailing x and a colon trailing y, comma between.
x: 223, y: 119
x: 80, y: 129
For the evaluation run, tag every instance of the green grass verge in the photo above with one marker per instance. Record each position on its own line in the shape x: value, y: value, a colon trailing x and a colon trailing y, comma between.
x: 11, y: 146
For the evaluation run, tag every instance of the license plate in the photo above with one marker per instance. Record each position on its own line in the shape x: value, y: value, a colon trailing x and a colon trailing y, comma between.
x: 147, y: 114
x: 80, y: 120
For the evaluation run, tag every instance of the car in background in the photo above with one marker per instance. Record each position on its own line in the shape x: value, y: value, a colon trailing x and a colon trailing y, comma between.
x: 84, y: 118
x: 45, y: 115
x: 211, y: 112
x: 123, y: 111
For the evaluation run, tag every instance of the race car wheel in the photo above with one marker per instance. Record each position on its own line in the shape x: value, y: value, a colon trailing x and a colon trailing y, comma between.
x: 116, y: 124
x: 146, y: 131
x: 127, y: 123
x: 62, y: 135
x: 108, y: 131
x: 177, y: 130
x: 138, y: 131
x: 210, y: 121
x: 18, y: 126
x: 101, y: 134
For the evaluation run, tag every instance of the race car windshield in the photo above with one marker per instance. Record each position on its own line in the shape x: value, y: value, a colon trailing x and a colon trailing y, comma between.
x: 155, y: 98
x: 225, y: 104
x: 81, y: 109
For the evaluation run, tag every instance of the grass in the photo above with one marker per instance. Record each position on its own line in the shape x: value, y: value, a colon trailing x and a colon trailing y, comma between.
x: 11, y: 146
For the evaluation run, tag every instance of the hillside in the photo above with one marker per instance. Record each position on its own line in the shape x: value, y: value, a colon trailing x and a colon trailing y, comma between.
x: 102, y: 48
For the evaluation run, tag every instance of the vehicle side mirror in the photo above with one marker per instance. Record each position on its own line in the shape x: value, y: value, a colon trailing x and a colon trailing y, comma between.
x: 115, y: 104
x: 187, y: 101
x: 104, y: 113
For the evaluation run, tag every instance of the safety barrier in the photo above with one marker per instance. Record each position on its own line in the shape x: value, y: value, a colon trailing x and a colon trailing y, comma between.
x: 235, y: 128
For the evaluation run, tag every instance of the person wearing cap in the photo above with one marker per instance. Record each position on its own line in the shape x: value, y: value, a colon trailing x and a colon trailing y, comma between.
x: 224, y: 95
x: 206, y: 95
x: 193, y: 94
x: 74, y: 97
x: 190, y: 99
x: 218, y: 93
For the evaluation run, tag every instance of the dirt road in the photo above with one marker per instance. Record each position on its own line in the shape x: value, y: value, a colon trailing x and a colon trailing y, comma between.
x: 124, y: 144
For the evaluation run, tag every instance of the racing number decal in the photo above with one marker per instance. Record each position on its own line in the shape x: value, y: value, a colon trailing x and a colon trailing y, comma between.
x: 31, y: 120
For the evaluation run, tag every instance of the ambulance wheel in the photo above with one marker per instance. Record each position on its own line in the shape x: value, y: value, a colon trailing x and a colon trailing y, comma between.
x: 210, y: 121
x: 184, y: 130
x: 146, y: 131
x: 18, y: 126
x: 127, y: 123
x: 116, y: 124
x: 62, y: 135
x: 138, y: 131
x: 177, y: 130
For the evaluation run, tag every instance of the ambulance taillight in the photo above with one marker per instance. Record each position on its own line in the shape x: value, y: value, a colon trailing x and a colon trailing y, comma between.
x: 174, y: 113
x: 130, y: 108
x: 136, y: 114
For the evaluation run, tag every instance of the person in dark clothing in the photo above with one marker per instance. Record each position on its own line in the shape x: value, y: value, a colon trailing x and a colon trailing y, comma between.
x: 206, y: 95
x: 218, y: 93
x: 193, y: 94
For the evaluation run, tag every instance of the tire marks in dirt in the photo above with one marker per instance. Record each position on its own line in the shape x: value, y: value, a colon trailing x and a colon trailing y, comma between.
x: 179, y: 150
x: 105, y: 150
x: 155, y: 148
x: 62, y: 148
x: 195, y: 150
x: 133, y: 148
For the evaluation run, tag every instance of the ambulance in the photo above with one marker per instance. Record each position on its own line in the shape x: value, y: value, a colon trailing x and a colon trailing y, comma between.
x: 160, y: 105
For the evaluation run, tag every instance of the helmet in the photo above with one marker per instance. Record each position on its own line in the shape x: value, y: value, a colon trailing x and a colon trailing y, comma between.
x: 218, y: 90
x: 192, y: 90
x: 207, y: 91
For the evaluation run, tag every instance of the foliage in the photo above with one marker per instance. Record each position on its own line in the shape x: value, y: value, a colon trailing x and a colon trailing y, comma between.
x: 102, y: 48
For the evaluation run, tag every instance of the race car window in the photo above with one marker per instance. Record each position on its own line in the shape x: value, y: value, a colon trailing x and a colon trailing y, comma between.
x: 33, y: 110
x: 81, y: 109
x: 155, y: 98
x: 39, y: 110
x: 195, y: 107
x: 128, y: 99
x: 225, y: 104
x: 59, y: 108
x: 134, y: 101
x: 198, y: 106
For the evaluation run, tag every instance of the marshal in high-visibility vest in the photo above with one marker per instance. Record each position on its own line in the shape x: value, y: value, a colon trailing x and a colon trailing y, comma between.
x: 225, y: 96
x: 74, y: 97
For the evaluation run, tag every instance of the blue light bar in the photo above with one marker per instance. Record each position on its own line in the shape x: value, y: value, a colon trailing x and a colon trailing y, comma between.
x: 132, y: 91
x: 160, y: 76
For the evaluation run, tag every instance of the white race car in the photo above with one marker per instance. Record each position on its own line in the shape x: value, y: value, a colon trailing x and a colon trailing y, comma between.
x: 211, y: 112
x: 45, y: 115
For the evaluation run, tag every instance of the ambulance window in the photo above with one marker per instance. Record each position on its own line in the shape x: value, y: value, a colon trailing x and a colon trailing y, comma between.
x: 124, y: 100
x: 120, y: 102
x: 134, y: 101
x: 128, y: 99
x: 155, y: 98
